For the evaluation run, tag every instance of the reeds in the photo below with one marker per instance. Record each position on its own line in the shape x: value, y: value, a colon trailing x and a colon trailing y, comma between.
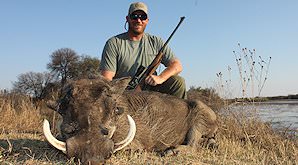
x: 249, y: 72
x: 253, y: 72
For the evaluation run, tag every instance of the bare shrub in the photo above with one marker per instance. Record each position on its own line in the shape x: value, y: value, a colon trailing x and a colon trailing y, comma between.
x: 208, y: 96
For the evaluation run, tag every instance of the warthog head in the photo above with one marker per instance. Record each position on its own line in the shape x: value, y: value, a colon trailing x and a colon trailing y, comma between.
x: 90, y: 112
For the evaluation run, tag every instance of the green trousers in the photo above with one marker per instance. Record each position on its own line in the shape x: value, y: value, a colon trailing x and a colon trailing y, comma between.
x: 175, y: 86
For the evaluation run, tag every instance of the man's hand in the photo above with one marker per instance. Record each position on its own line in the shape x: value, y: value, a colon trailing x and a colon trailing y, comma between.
x: 107, y: 74
x: 154, y: 80
x: 174, y: 68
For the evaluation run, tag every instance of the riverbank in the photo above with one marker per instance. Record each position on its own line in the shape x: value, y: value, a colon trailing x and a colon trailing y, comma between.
x: 281, y: 114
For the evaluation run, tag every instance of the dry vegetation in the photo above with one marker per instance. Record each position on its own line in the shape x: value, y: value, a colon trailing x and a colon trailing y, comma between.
x: 242, y: 140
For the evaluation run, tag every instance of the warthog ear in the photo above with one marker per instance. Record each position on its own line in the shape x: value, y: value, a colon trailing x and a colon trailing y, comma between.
x: 119, y: 85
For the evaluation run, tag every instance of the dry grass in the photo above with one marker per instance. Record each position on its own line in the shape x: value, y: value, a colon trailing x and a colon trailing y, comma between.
x: 242, y: 140
x: 19, y: 120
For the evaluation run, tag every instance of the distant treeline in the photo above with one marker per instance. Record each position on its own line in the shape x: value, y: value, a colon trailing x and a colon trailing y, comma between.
x: 283, y: 97
x: 259, y: 99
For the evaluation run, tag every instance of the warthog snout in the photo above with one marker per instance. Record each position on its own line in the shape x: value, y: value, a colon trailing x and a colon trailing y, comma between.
x: 96, y: 148
x: 87, y: 145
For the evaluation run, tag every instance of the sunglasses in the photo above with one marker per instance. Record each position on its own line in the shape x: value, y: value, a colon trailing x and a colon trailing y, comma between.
x: 136, y: 16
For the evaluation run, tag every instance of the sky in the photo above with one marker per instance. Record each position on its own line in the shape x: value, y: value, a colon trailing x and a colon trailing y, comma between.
x: 31, y: 30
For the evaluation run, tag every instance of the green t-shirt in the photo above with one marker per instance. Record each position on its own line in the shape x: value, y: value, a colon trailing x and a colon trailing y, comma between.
x: 124, y: 57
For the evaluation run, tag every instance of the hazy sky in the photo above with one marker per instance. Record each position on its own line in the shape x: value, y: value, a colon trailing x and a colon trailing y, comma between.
x: 33, y: 29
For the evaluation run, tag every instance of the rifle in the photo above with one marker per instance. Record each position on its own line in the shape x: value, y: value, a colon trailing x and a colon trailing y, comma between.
x: 137, y: 83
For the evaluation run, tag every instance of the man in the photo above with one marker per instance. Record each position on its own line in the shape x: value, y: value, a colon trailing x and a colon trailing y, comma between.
x: 125, y: 53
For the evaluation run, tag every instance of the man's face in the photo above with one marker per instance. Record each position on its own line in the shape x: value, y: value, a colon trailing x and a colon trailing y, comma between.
x: 137, y: 21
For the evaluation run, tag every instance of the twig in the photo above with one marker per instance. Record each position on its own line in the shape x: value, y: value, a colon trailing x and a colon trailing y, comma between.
x: 10, y: 147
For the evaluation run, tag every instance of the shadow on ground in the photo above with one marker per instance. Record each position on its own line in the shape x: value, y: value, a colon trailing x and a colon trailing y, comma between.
x: 23, y: 150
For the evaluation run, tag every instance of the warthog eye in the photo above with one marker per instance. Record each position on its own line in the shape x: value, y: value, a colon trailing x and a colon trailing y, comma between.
x: 119, y: 110
x: 103, y: 130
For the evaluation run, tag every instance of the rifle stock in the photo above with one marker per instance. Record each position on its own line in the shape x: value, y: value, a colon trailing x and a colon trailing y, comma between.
x: 138, y: 81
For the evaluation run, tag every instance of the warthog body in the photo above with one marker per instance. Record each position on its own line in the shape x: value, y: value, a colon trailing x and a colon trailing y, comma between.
x: 95, y: 119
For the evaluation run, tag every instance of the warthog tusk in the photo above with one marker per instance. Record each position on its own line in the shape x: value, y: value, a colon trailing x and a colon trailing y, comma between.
x: 51, y: 139
x: 131, y: 134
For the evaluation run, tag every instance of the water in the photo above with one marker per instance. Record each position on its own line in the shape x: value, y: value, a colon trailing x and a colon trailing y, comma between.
x: 281, y: 113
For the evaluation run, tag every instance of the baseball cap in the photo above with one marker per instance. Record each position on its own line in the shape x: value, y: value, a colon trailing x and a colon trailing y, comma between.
x: 137, y: 6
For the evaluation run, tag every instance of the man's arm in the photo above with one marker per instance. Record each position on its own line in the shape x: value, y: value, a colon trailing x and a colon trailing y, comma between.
x: 109, y: 75
x: 174, y: 68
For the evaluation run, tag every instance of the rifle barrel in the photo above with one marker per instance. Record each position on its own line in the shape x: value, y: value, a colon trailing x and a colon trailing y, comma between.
x: 181, y: 20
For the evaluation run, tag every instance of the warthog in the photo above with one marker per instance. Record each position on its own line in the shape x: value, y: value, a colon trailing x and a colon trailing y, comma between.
x: 101, y: 117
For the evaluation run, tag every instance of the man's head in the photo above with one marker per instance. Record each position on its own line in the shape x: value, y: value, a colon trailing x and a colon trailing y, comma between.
x: 137, y: 17
x: 137, y: 6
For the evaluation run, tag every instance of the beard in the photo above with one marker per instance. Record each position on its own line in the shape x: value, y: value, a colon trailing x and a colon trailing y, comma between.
x: 136, y: 29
